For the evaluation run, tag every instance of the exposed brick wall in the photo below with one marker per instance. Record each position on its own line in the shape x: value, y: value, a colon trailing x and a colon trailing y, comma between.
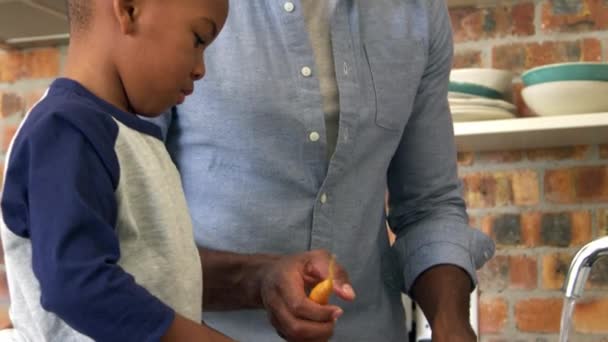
x: 541, y: 205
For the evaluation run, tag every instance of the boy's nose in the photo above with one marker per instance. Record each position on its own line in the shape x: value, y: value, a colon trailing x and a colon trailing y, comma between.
x: 199, y: 70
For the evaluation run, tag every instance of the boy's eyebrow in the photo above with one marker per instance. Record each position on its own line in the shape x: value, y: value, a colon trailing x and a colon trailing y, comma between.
x: 213, y: 26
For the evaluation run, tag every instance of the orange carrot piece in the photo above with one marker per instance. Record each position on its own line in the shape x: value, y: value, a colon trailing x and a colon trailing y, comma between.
x: 322, y: 291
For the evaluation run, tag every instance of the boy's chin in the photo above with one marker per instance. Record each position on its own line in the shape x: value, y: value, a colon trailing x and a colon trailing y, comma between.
x: 152, y: 113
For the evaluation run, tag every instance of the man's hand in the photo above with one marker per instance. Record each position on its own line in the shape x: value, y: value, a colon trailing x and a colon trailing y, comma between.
x: 277, y: 283
x: 283, y: 287
x: 443, y: 293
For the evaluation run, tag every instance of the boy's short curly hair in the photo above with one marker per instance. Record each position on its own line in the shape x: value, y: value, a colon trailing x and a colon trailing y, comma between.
x: 79, y: 14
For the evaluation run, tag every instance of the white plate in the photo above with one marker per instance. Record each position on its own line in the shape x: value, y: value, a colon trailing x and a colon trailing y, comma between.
x: 479, y: 113
x: 499, y: 80
x: 483, y: 102
x: 459, y: 95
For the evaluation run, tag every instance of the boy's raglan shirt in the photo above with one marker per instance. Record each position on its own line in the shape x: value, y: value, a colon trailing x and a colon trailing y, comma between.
x: 95, y: 229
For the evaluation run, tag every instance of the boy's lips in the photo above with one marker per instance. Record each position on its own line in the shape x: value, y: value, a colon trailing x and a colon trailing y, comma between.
x: 183, y: 94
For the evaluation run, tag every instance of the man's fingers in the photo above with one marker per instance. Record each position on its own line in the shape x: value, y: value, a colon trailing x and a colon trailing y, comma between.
x: 303, y: 308
x: 344, y: 291
x: 294, y: 329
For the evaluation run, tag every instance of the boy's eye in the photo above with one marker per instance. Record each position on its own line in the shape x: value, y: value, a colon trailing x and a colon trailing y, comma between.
x: 198, y: 41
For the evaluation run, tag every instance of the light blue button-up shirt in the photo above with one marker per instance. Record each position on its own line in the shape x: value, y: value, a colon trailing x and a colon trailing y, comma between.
x: 250, y: 145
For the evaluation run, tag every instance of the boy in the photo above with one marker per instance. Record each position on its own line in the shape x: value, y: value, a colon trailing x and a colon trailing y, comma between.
x: 96, y: 232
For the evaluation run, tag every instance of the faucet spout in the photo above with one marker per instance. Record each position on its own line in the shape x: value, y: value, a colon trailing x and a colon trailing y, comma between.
x: 581, y: 266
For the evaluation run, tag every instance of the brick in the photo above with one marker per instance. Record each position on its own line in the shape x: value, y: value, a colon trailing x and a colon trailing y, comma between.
x: 574, y: 16
x: 598, y: 277
x: 10, y: 103
x: 559, y: 186
x: 10, y: 66
x: 575, y: 185
x: 471, y: 23
x: 591, y: 183
x: 467, y: 59
x: 602, y: 222
x: 479, y: 190
x: 32, y: 97
x: 507, y: 230
x: 41, y: 63
x: 522, y: 17
x: 539, y: 315
x: 8, y: 131
x: 604, y: 151
x: 494, y: 275
x: 592, y: 50
x: 559, y: 153
x: 492, y: 315
x: 563, y: 229
x: 554, y: 269
x: 500, y: 157
x: 525, y: 187
x: 523, y: 56
x: 504, y: 189
x: 581, y: 228
x: 523, y: 272
x: 590, y: 316
x: 556, y: 229
x: 486, y: 226
x: 466, y: 158
x: 530, y: 229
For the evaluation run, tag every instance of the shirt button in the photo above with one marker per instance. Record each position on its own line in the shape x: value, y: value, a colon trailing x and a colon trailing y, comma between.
x: 314, y: 136
x: 306, y: 71
x: 288, y: 6
x: 323, y: 198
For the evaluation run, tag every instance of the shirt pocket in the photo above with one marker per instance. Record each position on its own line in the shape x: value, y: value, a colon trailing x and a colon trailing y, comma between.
x: 396, y: 67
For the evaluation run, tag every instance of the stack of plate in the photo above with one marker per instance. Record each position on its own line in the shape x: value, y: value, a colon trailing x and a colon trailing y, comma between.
x: 478, y: 94
x: 567, y: 88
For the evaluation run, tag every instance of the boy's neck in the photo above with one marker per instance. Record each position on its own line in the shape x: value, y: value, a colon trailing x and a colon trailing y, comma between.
x: 95, y: 70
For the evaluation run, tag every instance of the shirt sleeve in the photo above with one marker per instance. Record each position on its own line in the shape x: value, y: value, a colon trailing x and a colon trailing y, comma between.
x: 426, y: 208
x: 59, y: 193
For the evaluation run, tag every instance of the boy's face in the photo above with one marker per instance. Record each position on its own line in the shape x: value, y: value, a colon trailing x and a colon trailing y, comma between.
x: 161, y: 59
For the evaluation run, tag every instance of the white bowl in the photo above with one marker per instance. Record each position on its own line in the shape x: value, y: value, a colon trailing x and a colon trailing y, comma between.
x: 499, y: 80
x: 567, y: 97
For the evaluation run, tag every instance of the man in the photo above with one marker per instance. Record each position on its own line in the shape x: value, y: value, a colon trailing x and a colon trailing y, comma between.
x: 310, y: 109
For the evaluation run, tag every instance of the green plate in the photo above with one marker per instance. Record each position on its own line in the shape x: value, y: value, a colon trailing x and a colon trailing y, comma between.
x: 474, y: 89
x: 576, y: 71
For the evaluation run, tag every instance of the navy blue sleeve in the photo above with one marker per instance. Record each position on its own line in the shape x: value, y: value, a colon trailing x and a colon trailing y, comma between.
x: 59, y: 193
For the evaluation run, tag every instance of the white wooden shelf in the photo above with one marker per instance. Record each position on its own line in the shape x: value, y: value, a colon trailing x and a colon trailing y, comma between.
x: 478, y: 3
x: 536, y: 132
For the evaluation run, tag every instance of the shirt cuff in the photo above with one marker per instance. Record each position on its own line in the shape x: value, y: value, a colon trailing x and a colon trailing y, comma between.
x: 435, y: 243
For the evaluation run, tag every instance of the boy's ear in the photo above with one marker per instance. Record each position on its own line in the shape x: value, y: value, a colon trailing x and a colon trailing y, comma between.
x: 126, y: 13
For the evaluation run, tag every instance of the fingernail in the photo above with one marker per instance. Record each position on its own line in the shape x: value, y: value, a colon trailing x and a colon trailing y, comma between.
x: 337, y: 313
x: 348, y: 290
x: 308, y: 268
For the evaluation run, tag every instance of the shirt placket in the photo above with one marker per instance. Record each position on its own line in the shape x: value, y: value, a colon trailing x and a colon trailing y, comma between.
x: 343, y: 49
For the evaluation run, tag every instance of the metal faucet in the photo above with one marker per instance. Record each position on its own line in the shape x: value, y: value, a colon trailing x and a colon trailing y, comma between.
x: 581, y: 266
